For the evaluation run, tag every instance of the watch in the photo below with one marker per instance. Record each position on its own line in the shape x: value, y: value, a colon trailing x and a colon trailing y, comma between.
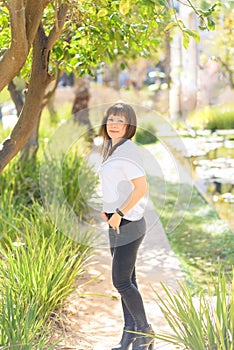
x: 119, y: 212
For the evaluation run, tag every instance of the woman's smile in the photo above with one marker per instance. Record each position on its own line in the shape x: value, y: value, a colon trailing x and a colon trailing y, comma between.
x: 114, y: 131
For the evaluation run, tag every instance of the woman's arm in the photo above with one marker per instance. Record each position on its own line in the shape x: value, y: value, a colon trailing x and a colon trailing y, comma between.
x: 139, y: 190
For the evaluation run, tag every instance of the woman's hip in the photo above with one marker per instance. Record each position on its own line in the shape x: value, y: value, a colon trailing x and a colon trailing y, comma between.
x: 129, y: 231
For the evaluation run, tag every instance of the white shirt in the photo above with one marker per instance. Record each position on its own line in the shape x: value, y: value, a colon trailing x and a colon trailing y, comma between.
x: 116, y: 174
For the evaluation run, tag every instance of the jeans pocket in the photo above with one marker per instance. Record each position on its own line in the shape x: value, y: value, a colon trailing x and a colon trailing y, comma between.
x: 130, y: 232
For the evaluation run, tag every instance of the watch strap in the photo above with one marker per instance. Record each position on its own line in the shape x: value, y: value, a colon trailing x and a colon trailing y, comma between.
x: 119, y: 212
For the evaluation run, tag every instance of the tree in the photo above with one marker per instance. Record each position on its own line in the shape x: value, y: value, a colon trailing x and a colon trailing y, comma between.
x: 72, y: 36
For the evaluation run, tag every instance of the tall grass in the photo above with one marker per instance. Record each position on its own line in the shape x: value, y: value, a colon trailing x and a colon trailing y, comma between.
x: 38, y: 271
x: 39, y: 263
x: 204, y: 323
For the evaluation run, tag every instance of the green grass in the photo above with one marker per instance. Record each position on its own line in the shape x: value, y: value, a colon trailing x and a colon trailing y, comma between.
x: 201, y: 239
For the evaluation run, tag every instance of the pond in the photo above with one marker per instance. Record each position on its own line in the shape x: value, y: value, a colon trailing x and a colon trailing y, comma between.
x: 213, y: 171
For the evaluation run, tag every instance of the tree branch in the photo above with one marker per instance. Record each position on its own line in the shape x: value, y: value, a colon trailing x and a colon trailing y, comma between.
x: 58, y: 27
x: 33, y: 14
x: 229, y: 71
x: 51, y: 92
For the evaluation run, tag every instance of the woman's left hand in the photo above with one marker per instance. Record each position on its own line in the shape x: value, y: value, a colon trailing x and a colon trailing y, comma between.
x: 114, y: 221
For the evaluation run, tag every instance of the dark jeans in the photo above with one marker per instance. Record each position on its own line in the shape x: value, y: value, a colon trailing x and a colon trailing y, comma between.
x: 124, y: 248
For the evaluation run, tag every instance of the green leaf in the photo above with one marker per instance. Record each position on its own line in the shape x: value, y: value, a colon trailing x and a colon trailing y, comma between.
x: 155, y: 42
x: 73, y: 61
x: 211, y: 23
x: 202, y: 27
x: 193, y: 33
x: 186, y: 40
x: 102, y: 13
x: 215, y: 5
x: 124, y: 6
x: 94, y: 29
x: 204, y: 12
x: 163, y: 3
x: 103, y: 2
x: 58, y: 52
x: 171, y: 25
x: 116, y: 18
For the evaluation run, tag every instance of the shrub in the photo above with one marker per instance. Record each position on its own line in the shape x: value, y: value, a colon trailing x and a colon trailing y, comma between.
x: 220, y: 117
x: 146, y: 134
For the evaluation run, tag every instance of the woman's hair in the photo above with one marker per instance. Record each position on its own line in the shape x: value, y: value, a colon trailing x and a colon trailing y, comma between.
x: 118, y: 109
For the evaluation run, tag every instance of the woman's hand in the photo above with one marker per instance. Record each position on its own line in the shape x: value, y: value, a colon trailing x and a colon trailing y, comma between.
x: 114, y: 221
x: 103, y: 216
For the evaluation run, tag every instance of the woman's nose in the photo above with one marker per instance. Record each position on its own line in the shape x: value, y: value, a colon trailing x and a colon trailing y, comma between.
x: 114, y: 123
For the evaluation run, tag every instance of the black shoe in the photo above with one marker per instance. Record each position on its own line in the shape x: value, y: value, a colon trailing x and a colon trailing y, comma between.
x: 144, y: 342
x: 126, y: 340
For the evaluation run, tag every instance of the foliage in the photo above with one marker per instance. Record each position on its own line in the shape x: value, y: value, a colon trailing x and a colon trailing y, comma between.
x: 205, y: 322
x: 146, y: 134
x: 107, y: 30
x: 39, y: 264
x: 38, y: 270
x: 220, y: 117
x: 19, y: 325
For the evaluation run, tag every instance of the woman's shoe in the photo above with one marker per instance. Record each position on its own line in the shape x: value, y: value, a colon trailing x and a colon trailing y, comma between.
x: 144, y: 342
x: 126, y: 340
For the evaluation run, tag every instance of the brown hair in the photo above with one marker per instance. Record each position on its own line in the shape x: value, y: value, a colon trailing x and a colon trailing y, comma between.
x: 118, y: 109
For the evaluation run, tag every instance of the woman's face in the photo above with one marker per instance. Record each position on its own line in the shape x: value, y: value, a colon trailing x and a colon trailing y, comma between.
x: 116, y: 126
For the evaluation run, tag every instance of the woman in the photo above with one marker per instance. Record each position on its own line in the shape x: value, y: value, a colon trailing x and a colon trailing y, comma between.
x: 124, y: 189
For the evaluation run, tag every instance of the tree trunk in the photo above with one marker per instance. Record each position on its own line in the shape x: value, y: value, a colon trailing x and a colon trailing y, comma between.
x: 80, y: 108
x: 33, y: 102
x: 30, y: 149
x: 25, y: 18
x: 39, y: 80
x: 229, y: 72
x: 50, y: 97
x: 167, y: 60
